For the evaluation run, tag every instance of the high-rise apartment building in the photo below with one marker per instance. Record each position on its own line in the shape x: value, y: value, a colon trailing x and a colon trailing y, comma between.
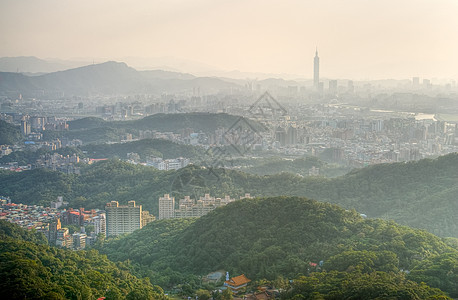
x: 100, y: 225
x: 166, y: 207
x: 26, y: 128
x: 122, y: 219
x: 333, y: 86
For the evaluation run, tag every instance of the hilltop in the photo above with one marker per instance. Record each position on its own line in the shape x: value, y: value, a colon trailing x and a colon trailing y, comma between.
x: 199, y: 121
x: 97, y: 130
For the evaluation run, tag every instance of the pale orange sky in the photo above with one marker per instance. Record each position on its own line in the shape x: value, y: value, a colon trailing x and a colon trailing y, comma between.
x: 356, y: 39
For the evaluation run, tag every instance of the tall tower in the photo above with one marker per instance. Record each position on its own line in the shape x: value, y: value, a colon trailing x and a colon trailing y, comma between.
x: 316, y: 71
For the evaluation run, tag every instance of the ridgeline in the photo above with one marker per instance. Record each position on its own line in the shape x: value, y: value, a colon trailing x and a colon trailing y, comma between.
x: 96, y: 130
x: 419, y: 194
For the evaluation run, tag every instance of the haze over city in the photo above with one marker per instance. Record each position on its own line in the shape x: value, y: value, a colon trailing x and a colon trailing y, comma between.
x: 356, y: 39
x: 218, y: 150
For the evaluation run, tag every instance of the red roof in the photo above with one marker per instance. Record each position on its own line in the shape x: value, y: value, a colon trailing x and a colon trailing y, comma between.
x: 238, y: 280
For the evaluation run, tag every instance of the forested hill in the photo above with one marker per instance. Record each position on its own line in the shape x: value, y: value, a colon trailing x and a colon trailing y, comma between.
x: 281, y: 236
x: 419, y: 194
x: 30, y: 269
x: 96, y: 130
x: 9, y: 134
x: 144, y: 148
x: 205, y: 122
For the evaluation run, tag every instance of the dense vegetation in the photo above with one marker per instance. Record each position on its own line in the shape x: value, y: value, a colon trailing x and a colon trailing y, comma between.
x: 299, y: 166
x: 9, y: 134
x: 27, y: 156
x: 144, y: 148
x: 267, y: 238
x: 419, y: 194
x: 355, y: 285
x: 96, y: 130
x: 31, y: 270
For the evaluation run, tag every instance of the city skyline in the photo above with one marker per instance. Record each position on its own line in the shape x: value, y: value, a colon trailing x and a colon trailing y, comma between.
x: 360, y: 39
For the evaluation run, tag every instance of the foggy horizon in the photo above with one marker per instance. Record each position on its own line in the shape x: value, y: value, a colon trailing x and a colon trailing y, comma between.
x: 356, y: 40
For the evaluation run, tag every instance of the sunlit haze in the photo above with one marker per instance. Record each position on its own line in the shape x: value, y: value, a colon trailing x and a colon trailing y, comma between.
x: 356, y: 39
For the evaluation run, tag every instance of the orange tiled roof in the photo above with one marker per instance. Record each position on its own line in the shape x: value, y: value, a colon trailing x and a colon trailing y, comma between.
x: 238, y: 280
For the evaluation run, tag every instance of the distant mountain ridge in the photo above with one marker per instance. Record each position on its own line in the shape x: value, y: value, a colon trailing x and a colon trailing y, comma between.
x: 109, y: 78
x: 32, y: 64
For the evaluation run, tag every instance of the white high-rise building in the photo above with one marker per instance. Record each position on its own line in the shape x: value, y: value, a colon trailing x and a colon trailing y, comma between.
x: 122, y: 219
x: 100, y: 225
x: 166, y: 207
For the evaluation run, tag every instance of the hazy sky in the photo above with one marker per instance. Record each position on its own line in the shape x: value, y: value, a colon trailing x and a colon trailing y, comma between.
x: 356, y: 39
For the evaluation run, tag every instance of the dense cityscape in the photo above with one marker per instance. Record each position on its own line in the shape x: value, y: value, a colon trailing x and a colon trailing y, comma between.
x: 228, y: 150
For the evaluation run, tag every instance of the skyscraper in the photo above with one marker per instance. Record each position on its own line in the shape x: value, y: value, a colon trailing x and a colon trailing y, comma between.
x: 316, y: 71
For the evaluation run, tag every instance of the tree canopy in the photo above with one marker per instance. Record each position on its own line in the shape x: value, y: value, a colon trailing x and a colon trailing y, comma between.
x: 38, y: 271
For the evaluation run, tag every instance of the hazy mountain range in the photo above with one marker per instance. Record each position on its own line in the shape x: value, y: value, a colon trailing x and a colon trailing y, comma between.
x: 109, y: 78
x: 32, y: 76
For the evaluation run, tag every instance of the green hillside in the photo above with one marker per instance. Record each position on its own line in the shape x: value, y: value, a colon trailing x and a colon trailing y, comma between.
x: 376, y: 285
x: 9, y: 134
x: 419, y: 194
x: 272, y: 237
x: 144, y: 148
x: 27, y: 156
x: 205, y: 122
x: 96, y: 131
x: 37, y: 271
x: 300, y: 166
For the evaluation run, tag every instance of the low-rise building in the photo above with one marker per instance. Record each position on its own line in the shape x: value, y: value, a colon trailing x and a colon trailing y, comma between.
x: 237, y: 284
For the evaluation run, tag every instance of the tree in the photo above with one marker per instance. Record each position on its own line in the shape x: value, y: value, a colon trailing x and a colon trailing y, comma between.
x: 227, y: 294
x: 203, y: 294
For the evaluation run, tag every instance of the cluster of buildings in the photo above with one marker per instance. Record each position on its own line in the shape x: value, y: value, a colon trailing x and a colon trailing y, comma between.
x: 168, y: 164
x: 37, y: 124
x: 27, y: 216
x: 58, y: 162
x: 5, y: 150
x: 86, y: 227
x: 363, y: 141
x: 60, y: 236
x: 345, y: 136
x: 124, y: 110
x: 188, y: 207
x: 75, y: 228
